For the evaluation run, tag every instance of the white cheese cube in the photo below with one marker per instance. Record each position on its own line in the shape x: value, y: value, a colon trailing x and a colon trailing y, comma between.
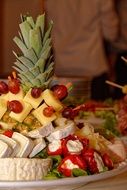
x: 11, y: 143
x: 62, y: 132
x: 25, y: 144
x: 21, y: 116
x: 35, y: 102
x: 5, y: 150
x: 38, y: 113
x: 39, y: 144
x: 3, y: 107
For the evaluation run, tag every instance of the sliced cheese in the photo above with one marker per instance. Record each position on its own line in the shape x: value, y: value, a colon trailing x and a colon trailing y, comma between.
x: 39, y: 144
x: 62, y: 131
x: 11, y: 143
x: 25, y: 144
x: 43, y: 131
x: 5, y: 150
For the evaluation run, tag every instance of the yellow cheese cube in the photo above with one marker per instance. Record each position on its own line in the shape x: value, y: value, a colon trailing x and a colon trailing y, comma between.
x: 3, y: 107
x: 35, y: 102
x: 21, y: 116
x: 18, y: 96
x: 38, y: 113
x: 5, y: 96
x: 51, y: 100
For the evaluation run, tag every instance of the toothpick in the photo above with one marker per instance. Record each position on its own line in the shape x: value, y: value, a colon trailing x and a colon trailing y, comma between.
x: 124, y: 59
x: 114, y: 84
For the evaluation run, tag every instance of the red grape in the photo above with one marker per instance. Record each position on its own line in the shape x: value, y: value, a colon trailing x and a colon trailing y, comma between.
x: 67, y: 112
x: 60, y: 91
x: 3, y: 87
x: 14, y: 86
x: 36, y: 92
x: 48, y: 111
x: 15, y: 106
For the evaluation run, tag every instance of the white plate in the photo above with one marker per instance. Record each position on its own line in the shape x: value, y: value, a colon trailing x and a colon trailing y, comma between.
x: 64, y: 182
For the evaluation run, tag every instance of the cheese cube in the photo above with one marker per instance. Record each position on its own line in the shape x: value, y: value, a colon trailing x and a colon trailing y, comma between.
x: 18, y: 96
x: 35, y: 102
x: 51, y: 100
x: 38, y: 113
x: 21, y: 116
x: 5, y: 96
x: 3, y: 107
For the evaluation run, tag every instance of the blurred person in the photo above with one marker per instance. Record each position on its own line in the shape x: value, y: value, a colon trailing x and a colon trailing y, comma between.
x: 119, y: 49
x: 80, y: 27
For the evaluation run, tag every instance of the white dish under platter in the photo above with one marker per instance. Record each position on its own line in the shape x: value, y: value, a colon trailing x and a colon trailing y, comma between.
x: 64, y: 183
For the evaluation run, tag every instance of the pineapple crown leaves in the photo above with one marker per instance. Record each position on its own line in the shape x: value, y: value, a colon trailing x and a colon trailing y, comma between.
x: 35, y: 65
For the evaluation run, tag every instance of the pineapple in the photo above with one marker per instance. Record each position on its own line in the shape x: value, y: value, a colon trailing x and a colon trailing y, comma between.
x: 34, y: 66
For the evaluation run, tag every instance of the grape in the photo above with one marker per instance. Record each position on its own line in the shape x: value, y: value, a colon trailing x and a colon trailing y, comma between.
x: 15, y: 106
x: 60, y: 91
x: 3, y: 87
x: 48, y: 111
x: 67, y: 112
x: 14, y: 86
x: 36, y: 92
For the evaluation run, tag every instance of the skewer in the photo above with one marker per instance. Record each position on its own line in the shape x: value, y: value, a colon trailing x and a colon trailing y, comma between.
x: 105, y: 109
x: 114, y: 84
x: 124, y: 59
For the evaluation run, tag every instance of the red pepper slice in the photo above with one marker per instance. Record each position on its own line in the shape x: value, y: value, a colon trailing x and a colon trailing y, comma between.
x: 90, y: 160
x: 8, y: 133
x: 76, y: 160
x: 107, y: 161
x: 58, y: 151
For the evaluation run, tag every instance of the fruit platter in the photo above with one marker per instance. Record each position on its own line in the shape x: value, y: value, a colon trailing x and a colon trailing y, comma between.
x: 43, y: 141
